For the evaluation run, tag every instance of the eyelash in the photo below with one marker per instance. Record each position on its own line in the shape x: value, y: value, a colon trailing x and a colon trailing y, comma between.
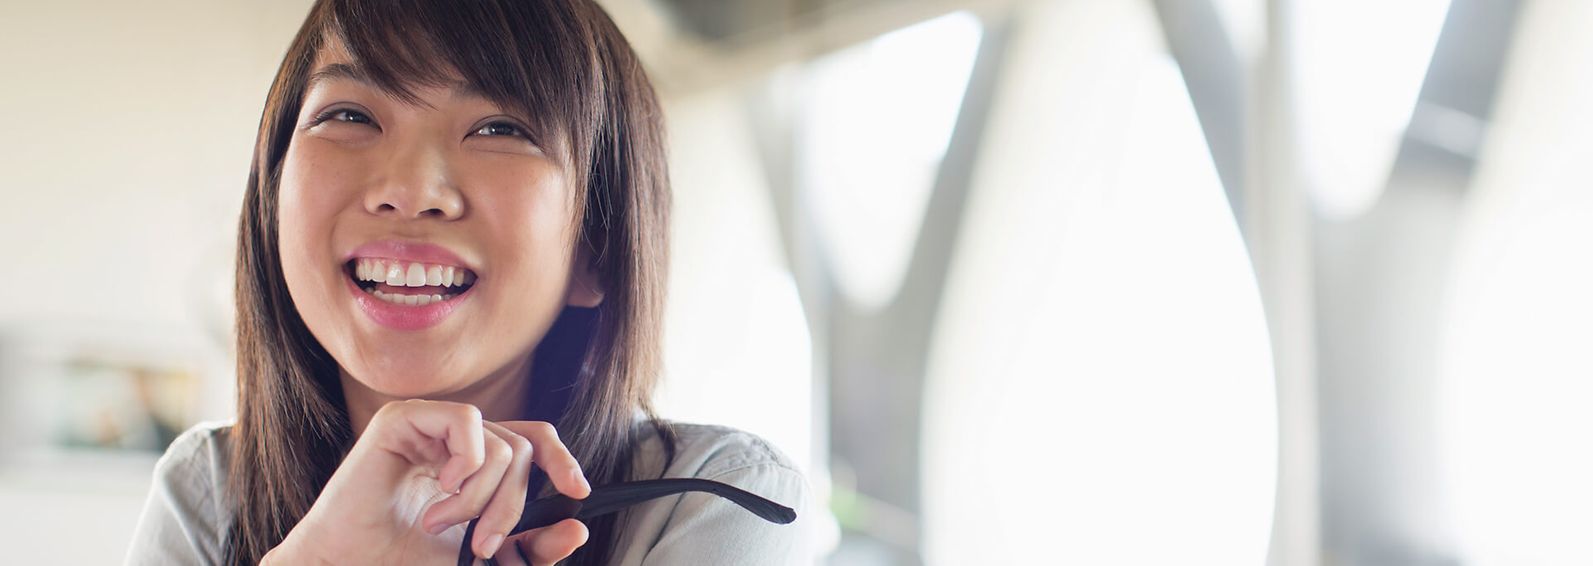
x: 329, y: 114
x: 516, y: 130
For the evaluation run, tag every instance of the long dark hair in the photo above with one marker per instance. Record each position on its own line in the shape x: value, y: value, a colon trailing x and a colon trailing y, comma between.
x: 566, y: 65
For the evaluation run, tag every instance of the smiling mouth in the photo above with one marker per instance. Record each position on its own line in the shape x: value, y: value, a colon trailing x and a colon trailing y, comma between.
x: 409, y: 283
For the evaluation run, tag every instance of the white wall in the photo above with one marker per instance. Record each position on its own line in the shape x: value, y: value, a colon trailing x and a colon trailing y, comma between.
x: 125, y: 137
x: 128, y: 129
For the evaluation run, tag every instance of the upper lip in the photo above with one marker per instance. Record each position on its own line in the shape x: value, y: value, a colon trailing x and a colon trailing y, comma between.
x: 409, y: 251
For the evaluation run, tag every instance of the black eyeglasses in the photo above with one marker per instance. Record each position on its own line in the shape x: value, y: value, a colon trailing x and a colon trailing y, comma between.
x: 614, y: 497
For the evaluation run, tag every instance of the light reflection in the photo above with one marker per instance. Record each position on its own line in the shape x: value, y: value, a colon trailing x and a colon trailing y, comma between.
x: 1358, y: 67
x: 1518, y: 340
x: 874, y: 125
x: 1100, y: 387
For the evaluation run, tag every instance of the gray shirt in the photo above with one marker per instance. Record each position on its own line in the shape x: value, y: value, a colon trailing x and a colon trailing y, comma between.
x: 186, y: 519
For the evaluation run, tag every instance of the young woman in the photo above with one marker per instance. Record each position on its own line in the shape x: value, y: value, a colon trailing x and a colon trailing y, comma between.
x: 454, y: 234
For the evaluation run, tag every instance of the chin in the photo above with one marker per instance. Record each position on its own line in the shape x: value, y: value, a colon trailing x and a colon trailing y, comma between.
x: 405, y: 381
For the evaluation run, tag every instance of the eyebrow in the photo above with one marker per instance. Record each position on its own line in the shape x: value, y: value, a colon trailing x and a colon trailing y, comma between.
x: 357, y: 73
x: 338, y: 71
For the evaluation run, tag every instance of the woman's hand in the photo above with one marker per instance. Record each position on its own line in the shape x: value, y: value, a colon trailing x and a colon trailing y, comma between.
x: 419, y: 472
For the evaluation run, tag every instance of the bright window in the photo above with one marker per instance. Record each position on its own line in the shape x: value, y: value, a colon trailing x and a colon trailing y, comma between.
x: 874, y: 125
x: 1101, y: 378
x: 1518, y: 349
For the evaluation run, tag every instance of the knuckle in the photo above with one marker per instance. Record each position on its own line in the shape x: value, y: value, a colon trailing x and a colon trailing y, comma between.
x: 478, y: 457
x: 466, y: 411
x: 500, y: 451
x: 389, y: 408
x: 520, y: 444
x: 544, y: 429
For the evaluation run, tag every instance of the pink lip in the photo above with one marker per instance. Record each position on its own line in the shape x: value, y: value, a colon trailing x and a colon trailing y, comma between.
x: 409, y: 251
x: 405, y: 317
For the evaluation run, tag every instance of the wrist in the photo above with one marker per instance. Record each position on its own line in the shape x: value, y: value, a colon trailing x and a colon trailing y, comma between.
x: 291, y: 551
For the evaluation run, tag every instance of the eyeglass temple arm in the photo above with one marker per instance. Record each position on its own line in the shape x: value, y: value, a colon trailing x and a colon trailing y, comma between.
x: 613, y: 497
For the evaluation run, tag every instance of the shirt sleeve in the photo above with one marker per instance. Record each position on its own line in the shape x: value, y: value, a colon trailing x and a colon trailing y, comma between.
x: 179, y: 524
x: 707, y: 530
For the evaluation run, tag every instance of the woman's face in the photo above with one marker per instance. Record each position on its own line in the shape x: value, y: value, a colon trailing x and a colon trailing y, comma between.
x: 427, y: 246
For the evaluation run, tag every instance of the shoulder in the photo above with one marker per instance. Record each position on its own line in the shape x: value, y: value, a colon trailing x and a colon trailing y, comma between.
x: 691, y: 528
x: 197, y: 461
x: 712, y: 451
x: 185, y: 518
x: 196, y: 442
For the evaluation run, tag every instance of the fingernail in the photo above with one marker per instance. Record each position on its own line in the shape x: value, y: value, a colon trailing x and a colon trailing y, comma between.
x: 580, y: 479
x: 491, y: 545
x: 437, y: 528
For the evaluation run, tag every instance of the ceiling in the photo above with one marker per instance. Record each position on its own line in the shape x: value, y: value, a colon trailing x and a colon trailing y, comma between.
x: 691, y: 45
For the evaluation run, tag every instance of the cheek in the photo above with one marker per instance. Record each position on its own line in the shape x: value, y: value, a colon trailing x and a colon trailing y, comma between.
x: 308, y: 202
x: 528, y: 211
x: 530, y: 228
x: 309, y: 196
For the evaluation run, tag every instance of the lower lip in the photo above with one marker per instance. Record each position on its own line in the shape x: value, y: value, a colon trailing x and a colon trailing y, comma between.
x: 405, y: 317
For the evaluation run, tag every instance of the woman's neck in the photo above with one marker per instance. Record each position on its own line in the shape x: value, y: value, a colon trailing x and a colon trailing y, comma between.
x: 502, y: 396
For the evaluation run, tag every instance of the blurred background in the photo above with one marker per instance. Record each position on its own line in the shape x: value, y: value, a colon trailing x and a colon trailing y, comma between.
x: 1284, y: 282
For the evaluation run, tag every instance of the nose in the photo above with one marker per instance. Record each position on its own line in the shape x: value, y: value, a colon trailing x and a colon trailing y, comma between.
x: 415, y: 184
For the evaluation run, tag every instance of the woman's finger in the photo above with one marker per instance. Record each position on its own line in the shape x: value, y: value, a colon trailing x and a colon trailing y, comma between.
x: 508, y: 502
x: 550, y: 454
x: 458, y: 425
x: 544, y: 546
x: 475, y: 492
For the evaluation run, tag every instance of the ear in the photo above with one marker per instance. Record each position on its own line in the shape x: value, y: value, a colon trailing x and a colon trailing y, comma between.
x: 585, y: 289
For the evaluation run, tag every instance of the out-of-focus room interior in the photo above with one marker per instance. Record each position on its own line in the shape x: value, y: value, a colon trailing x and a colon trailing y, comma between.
x: 1283, y: 282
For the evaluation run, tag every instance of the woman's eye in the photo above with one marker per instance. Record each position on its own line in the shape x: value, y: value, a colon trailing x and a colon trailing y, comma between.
x: 344, y: 115
x: 500, y: 129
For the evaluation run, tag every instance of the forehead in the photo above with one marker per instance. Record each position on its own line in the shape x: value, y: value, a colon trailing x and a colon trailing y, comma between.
x: 334, y: 63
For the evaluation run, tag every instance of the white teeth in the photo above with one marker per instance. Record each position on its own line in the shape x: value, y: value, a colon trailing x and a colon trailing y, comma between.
x: 410, y: 300
x: 399, y: 274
